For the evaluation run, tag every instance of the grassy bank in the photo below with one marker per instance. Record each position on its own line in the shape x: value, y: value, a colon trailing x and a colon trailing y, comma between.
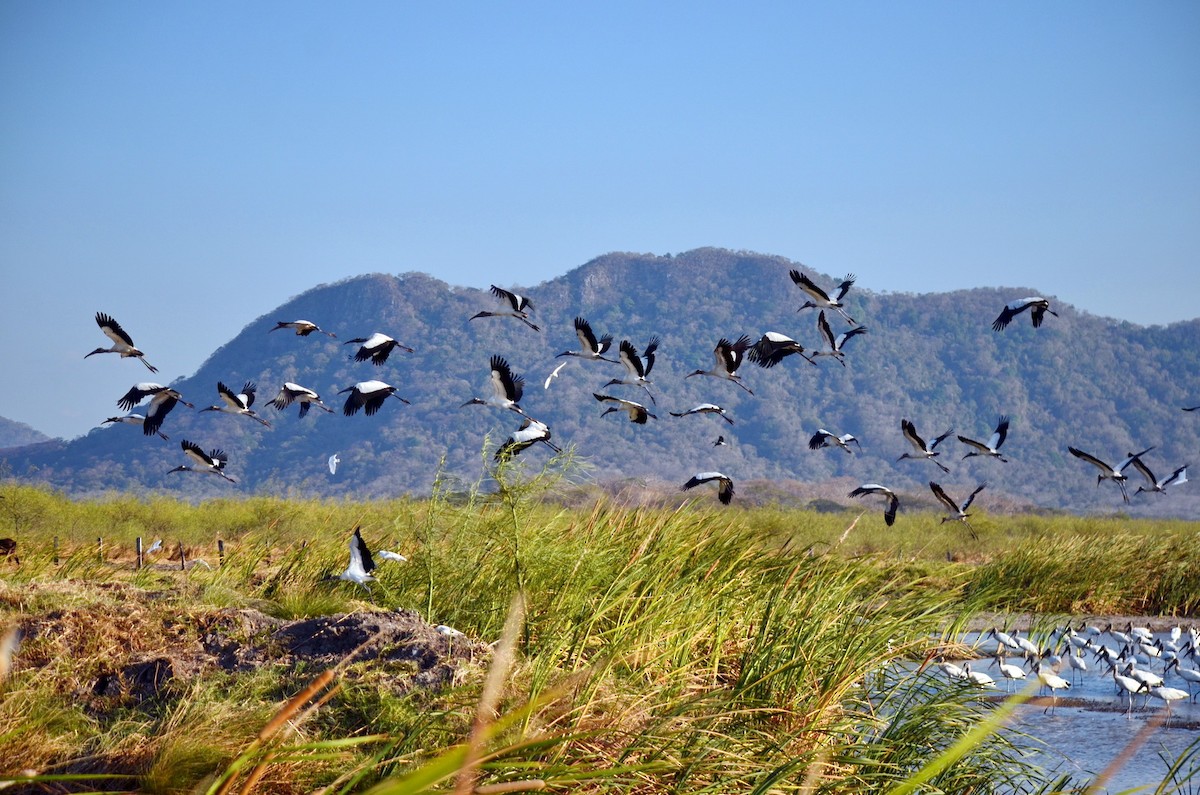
x: 663, y: 649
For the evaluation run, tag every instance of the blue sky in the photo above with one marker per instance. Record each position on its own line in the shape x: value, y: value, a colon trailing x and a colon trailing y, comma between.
x: 188, y: 167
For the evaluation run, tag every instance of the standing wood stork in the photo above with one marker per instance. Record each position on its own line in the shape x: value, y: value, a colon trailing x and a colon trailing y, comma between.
x: 724, y: 487
x: 519, y: 305
x: 590, y: 348
x: 163, y: 400
x: 1038, y: 307
x: 1190, y: 676
x: 530, y: 432
x: 306, y: 397
x: 376, y: 347
x: 638, y: 413
x: 368, y: 394
x: 959, y: 511
x: 773, y: 348
x: 923, y: 451
x: 303, y: 327
x: 889, y: 514
x: 835, y: 343
x: 238, y: 403
x: 507, y: 388
x: 1012, y: 673
x: 819, y: 299
x: 122, y: 342
x: 134, y: 419
x: 211, y: 463
x: 824, y: 438
x: 978, y: 678
x: 1049, y: 679
x: 637, y: 373
x: 1160, y: 486
x: 727, y: 358
x: 704, y: 408
x: 1127, y: 686
x: 1107, y: 472
x: 992, y: 447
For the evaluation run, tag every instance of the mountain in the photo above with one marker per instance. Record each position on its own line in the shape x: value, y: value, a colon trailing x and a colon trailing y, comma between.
x: 17, y: 434
x: 1105, y: 386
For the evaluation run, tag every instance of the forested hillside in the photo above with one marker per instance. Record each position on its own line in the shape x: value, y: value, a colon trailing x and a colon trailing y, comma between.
x: 1103, y: 386
x: 15, y: 434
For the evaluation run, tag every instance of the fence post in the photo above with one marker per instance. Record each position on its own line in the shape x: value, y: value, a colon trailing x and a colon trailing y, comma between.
x: 100, y: 548
x: 138, y: 565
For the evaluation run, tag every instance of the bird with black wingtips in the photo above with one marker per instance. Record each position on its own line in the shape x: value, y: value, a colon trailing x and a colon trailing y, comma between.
x: 359, y: 569
x: 302, y: 328
x: 162, y: 400
x: 922, y: 450
x: 520, y: 306
x: 294, y: 393
x: 134, y: 419
x: 824, y: 438
x: 1178, y: 477
x: 893, y: 505
x: 368, y: 395
x: 959, y: 512
x: 773, y: 347
x: 835, y: 342
x: 238, y: 402
x: 727, y: 358
x: 704, y: 408
x: 531, y: 432
x: 122, y: 342
x: 1107, y: 472
x: 990, y: 448
x: 507, y: 387
x: 210, y: 463
x: 819, y: 299
x: 1038, y: 307
x: 720, y: 442
x: 591, y: 348
x: 638, y: 413
x: 637, y: 368
x: 376, y: 347
x: 724, y: 484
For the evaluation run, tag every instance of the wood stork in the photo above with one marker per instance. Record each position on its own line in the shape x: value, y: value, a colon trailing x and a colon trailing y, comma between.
x: 134, y: 419
x: 992, y: 446
x: 332, y: 462
x: 590, y: 348
x: 959, y: 511
x: 162, y: 400
x: 122, y: 342
x: 211, y: 463
x: 1038, y: 307
x: 773, y: 348
x: 238, y: 403
x: 638, y: 413
x: 1128, y: 687
x: 1190, y: 676
x: 724, y: 487
x: 1012, y: 673
x: 1049, y: 679
x: 303, y: 327
x: 835, y: 343
x: 1168, y: 695
x: 368, y: 395
x: 637, y: 373
x: 727, y: 358
x: 720, y: 442
x: 978, y: 678
x: 1003, y: 638
x: 530, y: 432
x: 291, y: 392
x: 1179, y: 476
x: 824, y: 438
x: 507, y: 388
x: 923, y: 451
x: 361, y: 563
x: 520, y: 307
x: 1107, y: 472
x: 819, y: 299
x: 889, y: 513
x: 704, y: 408
x: 376, y: 347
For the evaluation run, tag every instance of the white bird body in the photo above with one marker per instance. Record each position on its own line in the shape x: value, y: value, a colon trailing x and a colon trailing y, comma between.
x: 1047, y: 678
x: 590, y: 348
x: 952, y: 671
x: 1192, y: 677
x: 302, y: 327
x: 530, y: 432
x: 553, y: 374
x: 368, y: 395
x: 773, y: 347
x: 921, y: 449
x: 1128, y: 687
x: 637, y: 373
x: 333, y: 462
x: 727, y: 358
x: 978, y: 678
x: 958, y: 512
x: 162, y: 400
x: 704, y: 408
x: 387, y: 554
x: 122, y: 343
x: 1013, y: 673
x: 361, y: 563
x: 376, y: 347
x: 211, y: 463
x: 824, y: 438
x: 291, y: 392
x: 724, y: 487
x: 1038, y: 307
x: 134, y: 419
x: 819, y: 299
x: 835, y: 342
x: 1178, y: 477
x: 507, y: 388
x: 519, y: 307
x: 1108, y: 472
x: 889, y: 514
x: 238, y: 403
x: 638, y: 413
x: 992, y: 446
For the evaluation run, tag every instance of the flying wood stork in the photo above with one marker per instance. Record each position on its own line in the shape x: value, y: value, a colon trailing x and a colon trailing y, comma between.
x: 163, y: 400
x: 122, y: 342
x: 704, y: 408
x: 507, y: 388
x: 238, y: 403
x: 1107, y: 472
x: 590, y: 348
x: 530, y: 432
x: 376, y: 347
x: 923, y: 451
x: 720, y: 442
x: 520, y: 307
x: 819, y: 299
x: 773, y: 348
x: 835, y: 342
x: 727, y: 358
x: 306, y: 397
x: 638, y: 413
x: 1038, y: 307
x: 361, y: 565
x: 959, y: 512
x: 724, y: 487
x: 637, y: 373
x: 134, y: 419
x: 211, y: 463
x: 824, y: 438
x: 303, y: 327
x: 1177, y: 477
x: 889, y: 513
x: 368, y: 395
x: 992, y: 447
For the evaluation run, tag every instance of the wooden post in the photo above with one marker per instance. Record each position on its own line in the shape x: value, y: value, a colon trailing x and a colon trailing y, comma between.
x: 100, y: 548
x: 182, y: 560
x: 138, y: 565
x: 220, y: 552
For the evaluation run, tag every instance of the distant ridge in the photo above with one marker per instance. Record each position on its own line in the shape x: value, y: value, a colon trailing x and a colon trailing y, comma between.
x: 1102, y: 385
x: 16, y: 434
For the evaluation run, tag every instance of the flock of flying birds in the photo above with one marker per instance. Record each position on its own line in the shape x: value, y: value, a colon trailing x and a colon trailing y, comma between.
x: 508, y: 389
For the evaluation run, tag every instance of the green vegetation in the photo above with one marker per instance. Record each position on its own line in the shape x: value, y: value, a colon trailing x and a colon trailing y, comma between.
x: 655, y: 650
